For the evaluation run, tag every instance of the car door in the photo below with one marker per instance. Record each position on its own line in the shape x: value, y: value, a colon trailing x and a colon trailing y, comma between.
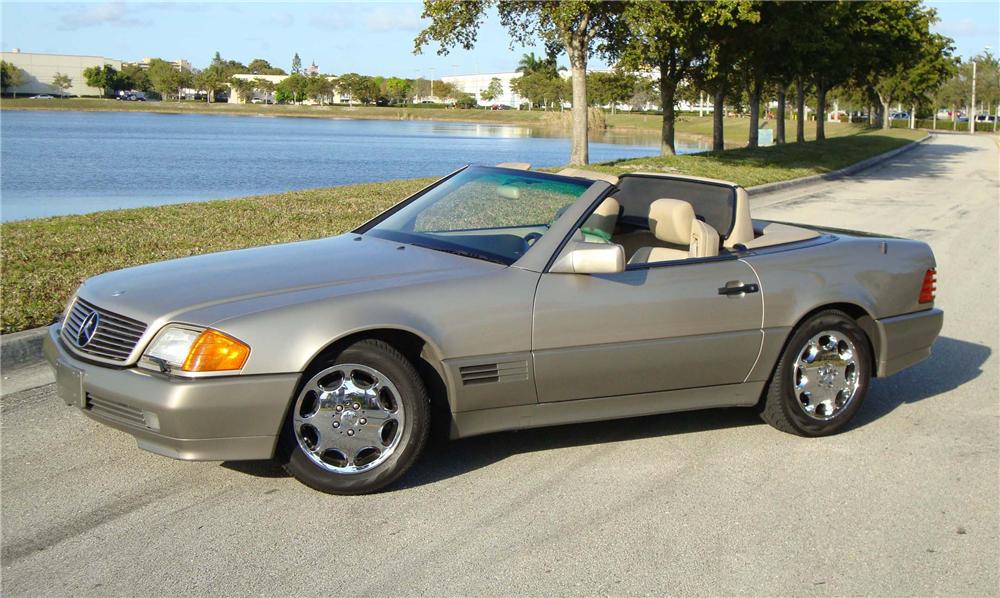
x: 658, y: 327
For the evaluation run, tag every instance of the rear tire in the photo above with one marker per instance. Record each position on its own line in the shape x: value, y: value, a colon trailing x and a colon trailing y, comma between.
x: 821, y: 378
x: 358, y: 421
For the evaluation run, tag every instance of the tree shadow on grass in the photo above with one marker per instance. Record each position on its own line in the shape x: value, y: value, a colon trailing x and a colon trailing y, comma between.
x: 952, y: 364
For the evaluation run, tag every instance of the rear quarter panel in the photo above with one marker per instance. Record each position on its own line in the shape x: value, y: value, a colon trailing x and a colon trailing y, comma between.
x: 881, y: 276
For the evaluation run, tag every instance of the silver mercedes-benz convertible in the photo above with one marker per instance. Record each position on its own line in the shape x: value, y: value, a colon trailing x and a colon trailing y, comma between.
x: 494, y: 299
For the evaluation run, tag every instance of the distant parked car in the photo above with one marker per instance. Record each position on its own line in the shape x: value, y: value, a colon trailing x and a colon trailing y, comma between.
x: 258, y: 101
x: 899, y: 115
x: 43, y: 96
x: 500, y: 107
x: 985, y: 118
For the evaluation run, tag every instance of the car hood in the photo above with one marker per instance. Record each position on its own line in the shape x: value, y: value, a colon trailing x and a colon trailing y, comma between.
x: 221, y: 285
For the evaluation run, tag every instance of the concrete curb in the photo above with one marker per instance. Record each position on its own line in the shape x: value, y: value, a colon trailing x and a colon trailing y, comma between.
x: 25, y: 348
x: 19, y: 349
x: 836, y: 174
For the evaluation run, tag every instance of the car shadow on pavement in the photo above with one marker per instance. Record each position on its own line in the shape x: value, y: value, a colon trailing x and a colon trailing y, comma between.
x: 952, y: 363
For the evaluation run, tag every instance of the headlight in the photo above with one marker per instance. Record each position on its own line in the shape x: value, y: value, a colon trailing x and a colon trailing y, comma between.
x: 195, y: 350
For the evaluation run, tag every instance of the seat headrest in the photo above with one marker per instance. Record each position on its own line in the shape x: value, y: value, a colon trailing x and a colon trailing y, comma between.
x: 670, y: 220
x: 608, y: 207
x: 508, y: 192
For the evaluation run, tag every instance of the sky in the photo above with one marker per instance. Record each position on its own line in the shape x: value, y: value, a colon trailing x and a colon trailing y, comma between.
x: 365, y: 37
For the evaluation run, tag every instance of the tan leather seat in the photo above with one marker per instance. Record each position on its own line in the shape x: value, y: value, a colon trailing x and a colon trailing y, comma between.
x: 600, y: 225
x: 673, y: 222
x: 742, y: 232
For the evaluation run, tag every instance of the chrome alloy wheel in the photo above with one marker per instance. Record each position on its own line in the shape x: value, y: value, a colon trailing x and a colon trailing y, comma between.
x: 348, y: 418
x: 825, y: 378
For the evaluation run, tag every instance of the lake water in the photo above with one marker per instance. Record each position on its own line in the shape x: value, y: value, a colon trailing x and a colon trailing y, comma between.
x: 78, y: 162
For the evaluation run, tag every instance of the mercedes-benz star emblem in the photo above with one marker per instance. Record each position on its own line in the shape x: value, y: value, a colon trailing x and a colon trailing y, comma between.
x: 87, y: 329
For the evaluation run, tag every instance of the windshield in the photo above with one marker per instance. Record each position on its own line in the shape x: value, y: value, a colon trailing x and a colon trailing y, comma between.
x: 486, y: 213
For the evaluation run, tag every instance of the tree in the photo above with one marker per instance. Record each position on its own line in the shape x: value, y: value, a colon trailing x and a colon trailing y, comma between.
x: 885, y: 37
x: 10, y: 76
x: 293, y: 88
x: 530, y: 64
x: 917, y: 81
x: 263, y: 85
x: 104, y: 78
x: 397, y: 90
x: 243, y: 88
x: 727, y: 27
x: 359, y: 87
x: 663, y: 35
x: 318, y: 88
x: 166, y: 79
x: 493, y: 91
x: 611, y: 88
x: 134, y: 76
x: 574, y: 26
x: 541, y: 88
x: 62, y: 82
x: 259, y: 66
x: 215, y: 78
x: 296, y: 64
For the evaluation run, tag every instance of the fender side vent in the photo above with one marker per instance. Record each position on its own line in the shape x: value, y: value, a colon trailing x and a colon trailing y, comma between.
x: 492, y: 373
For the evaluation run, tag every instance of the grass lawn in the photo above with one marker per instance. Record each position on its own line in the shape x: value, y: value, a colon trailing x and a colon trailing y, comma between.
x: 44, y: 260
x: 771, y: 164
x: 736, y: 129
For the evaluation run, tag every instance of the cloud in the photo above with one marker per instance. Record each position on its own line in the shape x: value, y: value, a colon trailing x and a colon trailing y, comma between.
x: 392, y: 19
x: 284, y: 20
x: 383, y: 18
x: 331, y: 21
x: 965, y: 28
x: 113, y: 14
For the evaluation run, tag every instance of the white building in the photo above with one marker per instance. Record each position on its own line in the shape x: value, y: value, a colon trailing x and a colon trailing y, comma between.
x: 38, y: 70
x: 180, y: 65
x: 475, y: 84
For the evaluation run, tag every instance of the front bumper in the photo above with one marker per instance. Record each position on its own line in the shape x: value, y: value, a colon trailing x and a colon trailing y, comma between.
x: 207, y: 419
x: 907, y: 339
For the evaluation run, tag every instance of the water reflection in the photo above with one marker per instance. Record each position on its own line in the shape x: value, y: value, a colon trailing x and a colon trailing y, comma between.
x: 76, y: 162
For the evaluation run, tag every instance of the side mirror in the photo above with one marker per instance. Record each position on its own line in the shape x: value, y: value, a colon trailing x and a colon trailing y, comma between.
x: 580, y: 257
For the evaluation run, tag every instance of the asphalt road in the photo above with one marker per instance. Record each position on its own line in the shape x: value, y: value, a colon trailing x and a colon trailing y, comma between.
x: 905, y: 502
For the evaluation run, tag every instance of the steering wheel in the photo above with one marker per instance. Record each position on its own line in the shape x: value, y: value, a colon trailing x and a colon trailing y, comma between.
x: 530, y: 238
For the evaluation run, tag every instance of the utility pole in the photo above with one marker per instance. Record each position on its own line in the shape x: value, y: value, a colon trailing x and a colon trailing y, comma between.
x: 972, y: 105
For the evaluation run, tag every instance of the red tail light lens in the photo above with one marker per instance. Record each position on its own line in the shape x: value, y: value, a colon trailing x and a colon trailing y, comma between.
x: 929, y: 287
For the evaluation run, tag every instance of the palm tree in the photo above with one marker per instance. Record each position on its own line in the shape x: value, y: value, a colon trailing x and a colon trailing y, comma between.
x: 529, y: 64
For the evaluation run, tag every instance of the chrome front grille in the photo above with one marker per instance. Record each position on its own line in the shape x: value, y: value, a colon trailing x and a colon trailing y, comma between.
x: 114, y: 338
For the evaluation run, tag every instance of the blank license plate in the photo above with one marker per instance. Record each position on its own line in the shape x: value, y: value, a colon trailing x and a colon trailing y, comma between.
x: 69, y: 385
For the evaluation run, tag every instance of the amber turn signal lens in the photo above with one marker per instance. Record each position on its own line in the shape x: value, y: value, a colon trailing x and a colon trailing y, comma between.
x: 928, y: 289
x: 213, y: 351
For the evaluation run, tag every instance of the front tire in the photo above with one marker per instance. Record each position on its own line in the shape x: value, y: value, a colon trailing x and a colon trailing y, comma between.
x: 821, y: 378
x: 358, y: 421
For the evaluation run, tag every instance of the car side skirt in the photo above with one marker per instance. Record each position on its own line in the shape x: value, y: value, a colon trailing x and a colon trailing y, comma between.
x: 485, y: 421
